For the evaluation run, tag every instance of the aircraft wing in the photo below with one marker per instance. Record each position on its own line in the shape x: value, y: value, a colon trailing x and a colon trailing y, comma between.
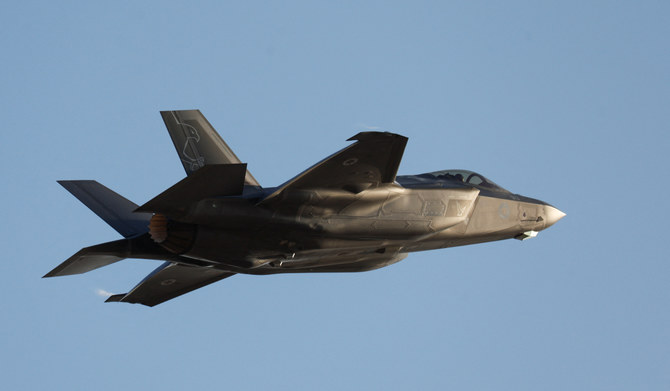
x: 169, y: 281
x: 371, y: 161
x: 197, y: 143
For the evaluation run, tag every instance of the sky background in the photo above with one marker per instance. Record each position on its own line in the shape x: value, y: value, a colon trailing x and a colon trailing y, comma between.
x: 565, y: 101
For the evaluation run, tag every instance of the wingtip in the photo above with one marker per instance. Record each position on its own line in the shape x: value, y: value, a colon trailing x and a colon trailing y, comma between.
x: 115, y: 298
x: 364, y: 135
x: 58, y: 270
x: 120, y: 299
x: 54, y: 273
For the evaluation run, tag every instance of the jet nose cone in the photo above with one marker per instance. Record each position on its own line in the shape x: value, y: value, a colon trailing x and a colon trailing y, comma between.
x: 552, y: 215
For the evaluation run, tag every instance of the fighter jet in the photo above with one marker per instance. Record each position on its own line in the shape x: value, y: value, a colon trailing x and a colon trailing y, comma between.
x: 347, y: 213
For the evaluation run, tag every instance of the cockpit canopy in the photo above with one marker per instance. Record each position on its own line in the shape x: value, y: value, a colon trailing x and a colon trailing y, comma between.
x: 448, y: 178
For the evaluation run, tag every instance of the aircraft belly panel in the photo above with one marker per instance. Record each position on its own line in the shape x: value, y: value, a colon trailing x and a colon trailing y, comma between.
x: 334, y: 261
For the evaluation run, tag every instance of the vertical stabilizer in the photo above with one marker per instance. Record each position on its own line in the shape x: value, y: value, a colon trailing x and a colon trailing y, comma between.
x: 198, y: 144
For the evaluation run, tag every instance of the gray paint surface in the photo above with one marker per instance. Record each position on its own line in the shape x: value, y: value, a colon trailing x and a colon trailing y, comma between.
x: 347, y: 213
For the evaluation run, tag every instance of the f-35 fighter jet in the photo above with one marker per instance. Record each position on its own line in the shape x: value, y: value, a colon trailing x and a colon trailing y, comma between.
x: 347, y: 213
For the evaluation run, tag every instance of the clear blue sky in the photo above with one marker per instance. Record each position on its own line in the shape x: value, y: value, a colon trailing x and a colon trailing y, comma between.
x: 562, y: 101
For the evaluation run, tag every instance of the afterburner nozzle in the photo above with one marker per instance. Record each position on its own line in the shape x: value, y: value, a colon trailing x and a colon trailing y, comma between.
x: 158, y: 228
x: 172, y: 235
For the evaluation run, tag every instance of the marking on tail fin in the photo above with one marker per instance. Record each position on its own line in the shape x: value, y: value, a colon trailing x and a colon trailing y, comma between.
x: 198, y: 144
x: 192, y: 138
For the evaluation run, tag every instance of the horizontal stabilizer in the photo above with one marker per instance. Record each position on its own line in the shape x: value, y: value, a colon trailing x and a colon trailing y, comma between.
x: 209, y: 181
x: 94, y: 257
x: 116, y: 210
x: 169, y: 281
x: 198, y: 144
x: 91, y: 258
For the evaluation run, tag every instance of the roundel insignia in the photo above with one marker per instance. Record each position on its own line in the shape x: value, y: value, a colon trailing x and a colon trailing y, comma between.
x: 350, y: 162
x: 169, y: 281
x: 503, y: 210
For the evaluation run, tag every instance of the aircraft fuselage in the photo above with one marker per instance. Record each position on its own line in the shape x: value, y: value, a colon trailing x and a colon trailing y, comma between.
x: 327, y: 226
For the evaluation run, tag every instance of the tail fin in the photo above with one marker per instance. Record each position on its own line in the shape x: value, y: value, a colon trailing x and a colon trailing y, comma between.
x: 116, y: 210
x: 94, y: 257
x: 198, y: 144
x: 91, y: 258
x: 223, y: 176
